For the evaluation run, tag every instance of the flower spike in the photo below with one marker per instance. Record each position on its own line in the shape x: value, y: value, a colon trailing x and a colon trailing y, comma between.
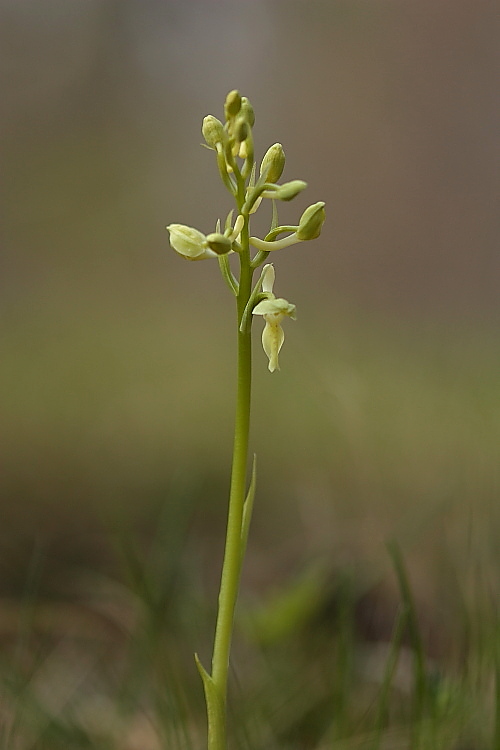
x: 232, y: 144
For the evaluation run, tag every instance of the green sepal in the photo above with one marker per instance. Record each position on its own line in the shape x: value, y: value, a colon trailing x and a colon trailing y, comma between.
x: 227, y: 274
x: 248, y: 508
x: 215, y: 704
x: 228, y: 226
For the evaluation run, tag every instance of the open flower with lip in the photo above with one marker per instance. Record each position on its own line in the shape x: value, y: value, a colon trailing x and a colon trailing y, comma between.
x: 273, y: 310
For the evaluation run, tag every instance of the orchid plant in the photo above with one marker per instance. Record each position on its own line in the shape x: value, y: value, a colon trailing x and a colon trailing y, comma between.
x: 232, y: 143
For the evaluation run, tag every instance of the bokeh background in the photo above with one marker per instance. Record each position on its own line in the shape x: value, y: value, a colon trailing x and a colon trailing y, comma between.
x: 118, y: 357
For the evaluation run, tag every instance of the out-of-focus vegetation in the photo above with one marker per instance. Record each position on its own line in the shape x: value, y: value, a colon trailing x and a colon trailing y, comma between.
x: 384, y: 423
x: 367, y: 436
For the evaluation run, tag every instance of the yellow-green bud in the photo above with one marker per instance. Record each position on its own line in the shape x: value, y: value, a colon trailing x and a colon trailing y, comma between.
x: 273, y: 162
x: 212, y: 130
x: 219, y: 243
x: 287, y: 191
x: 189, y: 242
x: 247, y: 112
x: 240, y: 130
x: 311, y: 222
x: 232, y: 104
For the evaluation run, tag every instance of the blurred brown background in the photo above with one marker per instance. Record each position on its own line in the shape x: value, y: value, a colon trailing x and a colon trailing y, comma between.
x: 117, y: 356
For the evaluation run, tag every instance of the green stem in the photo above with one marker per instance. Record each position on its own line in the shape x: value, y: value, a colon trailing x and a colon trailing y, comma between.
x: 231, y: 568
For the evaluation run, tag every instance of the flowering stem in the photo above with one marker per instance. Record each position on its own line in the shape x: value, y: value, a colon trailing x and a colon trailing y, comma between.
x: 232, y: 142
x: 235, y: 540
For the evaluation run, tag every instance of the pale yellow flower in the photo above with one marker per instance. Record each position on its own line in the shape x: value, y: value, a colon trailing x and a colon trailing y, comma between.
x: 273, y: 310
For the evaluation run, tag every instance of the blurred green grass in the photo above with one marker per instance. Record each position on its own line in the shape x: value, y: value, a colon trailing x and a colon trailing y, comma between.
x: 113, y: 670
x: 373, y: 430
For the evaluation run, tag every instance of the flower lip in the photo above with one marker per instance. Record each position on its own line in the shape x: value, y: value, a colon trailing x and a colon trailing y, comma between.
x: 272, y: 340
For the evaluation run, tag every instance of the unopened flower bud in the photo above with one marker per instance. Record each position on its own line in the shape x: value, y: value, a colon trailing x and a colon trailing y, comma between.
x: 189, y: 242
x: 240, y: 130
x: 219, y: 243
x: 273, y: 163
x: 287, y: 191
x: 247, y: 112
x: 311, y: 222
x: 232, y: 104
x: 212, y: 130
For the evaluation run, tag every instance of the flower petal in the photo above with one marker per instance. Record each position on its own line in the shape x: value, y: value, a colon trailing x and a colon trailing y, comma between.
x: 268, y: 277
x: 238, y: 226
